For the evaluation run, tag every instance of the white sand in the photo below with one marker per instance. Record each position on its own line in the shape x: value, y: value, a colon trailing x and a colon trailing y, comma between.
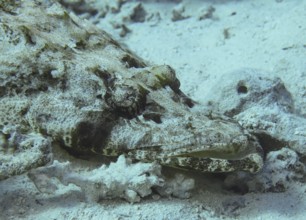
x: 263, y: 34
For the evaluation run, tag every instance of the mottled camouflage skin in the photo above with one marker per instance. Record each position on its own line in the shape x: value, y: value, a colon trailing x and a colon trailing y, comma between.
x: 69, y: 81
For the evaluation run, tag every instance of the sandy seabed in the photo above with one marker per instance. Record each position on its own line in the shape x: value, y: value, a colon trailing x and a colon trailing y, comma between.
x: 203, y: 41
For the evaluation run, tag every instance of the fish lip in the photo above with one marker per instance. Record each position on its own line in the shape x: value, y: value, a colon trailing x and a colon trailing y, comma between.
x: 218, y: 151
x: 251, y: 163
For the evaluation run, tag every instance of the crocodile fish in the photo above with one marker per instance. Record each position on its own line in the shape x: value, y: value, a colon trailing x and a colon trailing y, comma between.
x: 65, y: 81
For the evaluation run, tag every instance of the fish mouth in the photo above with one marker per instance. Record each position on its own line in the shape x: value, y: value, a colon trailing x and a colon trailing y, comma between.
x: 230, y: 157
x: 251, y: 163
x: 215, y: 160
x: 231, y: 150
x: 229, y: 153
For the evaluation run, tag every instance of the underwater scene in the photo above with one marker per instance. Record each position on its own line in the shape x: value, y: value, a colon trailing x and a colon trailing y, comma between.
x: 153, y: 109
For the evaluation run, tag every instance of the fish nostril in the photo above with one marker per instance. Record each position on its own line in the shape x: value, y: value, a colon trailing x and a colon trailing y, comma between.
x: 242, y: 88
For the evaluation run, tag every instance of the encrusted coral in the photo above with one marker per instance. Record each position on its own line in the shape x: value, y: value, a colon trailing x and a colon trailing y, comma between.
x: 263, y: 105
x: 280, y: 169
x: 118, y: 180
x: 20, y: 153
